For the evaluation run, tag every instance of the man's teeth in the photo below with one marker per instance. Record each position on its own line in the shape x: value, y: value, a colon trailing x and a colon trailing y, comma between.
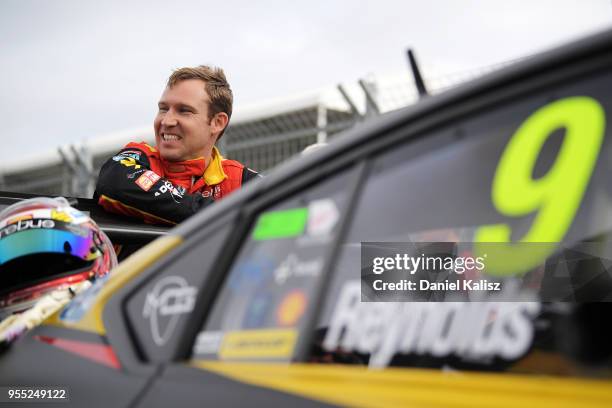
x: 168, y: 137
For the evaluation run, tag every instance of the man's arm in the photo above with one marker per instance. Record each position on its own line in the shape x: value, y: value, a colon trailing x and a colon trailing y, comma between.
x: 128, y: 186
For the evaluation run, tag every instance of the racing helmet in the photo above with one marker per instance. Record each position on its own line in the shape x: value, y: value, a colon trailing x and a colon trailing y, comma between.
x: 45, y: 245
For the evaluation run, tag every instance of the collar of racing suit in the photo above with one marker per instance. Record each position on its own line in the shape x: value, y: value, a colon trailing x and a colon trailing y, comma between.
x: 185, y: 172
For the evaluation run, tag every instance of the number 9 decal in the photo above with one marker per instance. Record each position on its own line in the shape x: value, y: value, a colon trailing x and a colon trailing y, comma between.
x: 556, y: 196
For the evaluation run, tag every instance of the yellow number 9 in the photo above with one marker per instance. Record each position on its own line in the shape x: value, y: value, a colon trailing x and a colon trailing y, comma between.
x: 556, y: 196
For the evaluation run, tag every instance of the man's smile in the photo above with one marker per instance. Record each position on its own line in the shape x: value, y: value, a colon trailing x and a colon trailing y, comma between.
x: 167, y: 137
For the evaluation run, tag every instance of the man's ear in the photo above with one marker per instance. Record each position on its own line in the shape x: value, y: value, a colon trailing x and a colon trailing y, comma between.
x: 218, y: 123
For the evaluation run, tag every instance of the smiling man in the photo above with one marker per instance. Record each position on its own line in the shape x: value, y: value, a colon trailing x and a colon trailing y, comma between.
x: 184, y: 172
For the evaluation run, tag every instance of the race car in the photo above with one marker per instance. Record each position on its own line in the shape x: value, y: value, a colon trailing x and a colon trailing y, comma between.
x: 295, y: 291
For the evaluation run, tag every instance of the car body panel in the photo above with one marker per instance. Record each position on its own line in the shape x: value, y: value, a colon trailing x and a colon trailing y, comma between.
x: 358, y: 386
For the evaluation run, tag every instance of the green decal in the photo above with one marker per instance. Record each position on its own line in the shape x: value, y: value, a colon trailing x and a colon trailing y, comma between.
x: 280, y: 224
x: 557, y: 196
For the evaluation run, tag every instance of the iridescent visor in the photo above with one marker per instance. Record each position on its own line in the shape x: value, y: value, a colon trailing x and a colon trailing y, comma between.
x: 34, y: 241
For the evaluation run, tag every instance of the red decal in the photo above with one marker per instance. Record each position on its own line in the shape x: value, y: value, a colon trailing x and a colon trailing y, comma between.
x: 19, y: 218
x: 99, y: 353
x: 147, y: 179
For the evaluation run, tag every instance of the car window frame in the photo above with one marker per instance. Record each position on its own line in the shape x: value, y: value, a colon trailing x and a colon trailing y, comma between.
x: 249, y: 212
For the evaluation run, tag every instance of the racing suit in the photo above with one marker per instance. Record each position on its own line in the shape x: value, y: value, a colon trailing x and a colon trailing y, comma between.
x: 138, y: 182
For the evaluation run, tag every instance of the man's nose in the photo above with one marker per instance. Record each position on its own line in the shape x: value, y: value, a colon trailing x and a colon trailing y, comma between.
x: 169, y: 119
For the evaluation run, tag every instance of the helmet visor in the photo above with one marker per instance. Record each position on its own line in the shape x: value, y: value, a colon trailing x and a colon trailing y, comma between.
x: 45, y: 236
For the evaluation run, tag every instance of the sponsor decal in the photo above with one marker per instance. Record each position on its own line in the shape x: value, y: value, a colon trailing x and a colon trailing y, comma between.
x: 208, y: 342
x: 291, y: 308
x: 77, y: 216
x: 130, y: 162
x: 292, y: 267
x: 127, y: 154
x: 43, y: 213
x: 135, y: 173
x: 472, y: 331
x: 60, y: 215
x: 280, y: 224
x: 175, y: 192
x: 260, y: 307
x: 170, y: 297
x: 26, y: 224
x: 322, y: 217
x: 250, y: 272
x: 20, y: 217
x: 268, y: 343
x: 147, y: 179
x: 215, y: 192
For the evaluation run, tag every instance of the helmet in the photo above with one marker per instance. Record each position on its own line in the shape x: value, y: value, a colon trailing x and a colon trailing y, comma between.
x: 46, y: 245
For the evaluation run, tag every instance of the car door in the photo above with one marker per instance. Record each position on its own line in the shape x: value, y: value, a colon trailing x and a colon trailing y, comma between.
x: 267, y: 294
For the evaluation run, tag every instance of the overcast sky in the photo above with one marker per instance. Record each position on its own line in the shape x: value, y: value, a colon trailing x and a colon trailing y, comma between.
x: 73, y: 70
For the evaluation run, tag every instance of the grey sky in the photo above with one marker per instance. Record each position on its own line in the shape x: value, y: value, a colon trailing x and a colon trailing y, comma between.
x: 73, y: 70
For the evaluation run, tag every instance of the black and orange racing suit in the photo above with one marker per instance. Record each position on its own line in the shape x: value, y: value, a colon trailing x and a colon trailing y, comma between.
x: 138, y: 182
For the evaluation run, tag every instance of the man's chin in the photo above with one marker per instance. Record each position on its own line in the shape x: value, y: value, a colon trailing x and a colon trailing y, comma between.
x: 170, y: 155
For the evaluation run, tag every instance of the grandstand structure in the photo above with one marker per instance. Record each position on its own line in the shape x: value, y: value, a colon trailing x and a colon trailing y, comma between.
x: 261, y: 136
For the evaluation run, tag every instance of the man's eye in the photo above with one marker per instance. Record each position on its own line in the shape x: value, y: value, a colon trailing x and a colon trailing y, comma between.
x: 186, y: 111
x: 161, y: 109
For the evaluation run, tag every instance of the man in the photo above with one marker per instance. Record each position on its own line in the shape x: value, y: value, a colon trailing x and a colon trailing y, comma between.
x: 184, y: 172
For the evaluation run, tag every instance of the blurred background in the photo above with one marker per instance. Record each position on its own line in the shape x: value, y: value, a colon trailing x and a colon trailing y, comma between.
x: 80, y: 79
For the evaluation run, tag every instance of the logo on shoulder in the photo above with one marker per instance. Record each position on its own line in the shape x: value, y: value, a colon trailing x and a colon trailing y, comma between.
x: 127, y: 154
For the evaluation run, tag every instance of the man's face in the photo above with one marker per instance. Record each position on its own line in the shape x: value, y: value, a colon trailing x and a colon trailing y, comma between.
x: 182, y: 128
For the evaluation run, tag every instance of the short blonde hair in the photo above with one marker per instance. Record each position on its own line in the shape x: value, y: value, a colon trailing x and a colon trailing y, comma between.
x: 215, y: 84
